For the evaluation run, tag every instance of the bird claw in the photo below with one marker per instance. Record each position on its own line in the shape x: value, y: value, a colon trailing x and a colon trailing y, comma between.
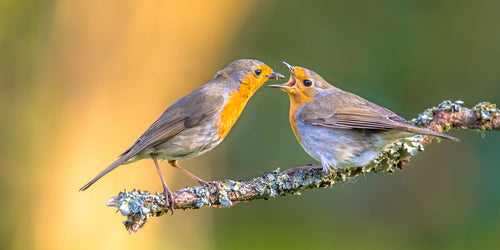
x: 169, y: 200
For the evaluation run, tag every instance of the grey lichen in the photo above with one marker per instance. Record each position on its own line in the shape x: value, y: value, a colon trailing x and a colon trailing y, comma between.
x: 391, y: 158
x: 425, y: 117
x: 204, y: 196
x: 277, y: 183
x: 486, y: 111
x: 138, y: 206
x: 223, y: 199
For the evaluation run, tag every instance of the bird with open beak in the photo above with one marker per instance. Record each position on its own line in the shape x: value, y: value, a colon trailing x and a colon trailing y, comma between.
x: 338, y: 128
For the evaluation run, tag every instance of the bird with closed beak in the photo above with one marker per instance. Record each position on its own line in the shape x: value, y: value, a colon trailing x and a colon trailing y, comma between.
x: 338, y: 128
x: 198, y: 122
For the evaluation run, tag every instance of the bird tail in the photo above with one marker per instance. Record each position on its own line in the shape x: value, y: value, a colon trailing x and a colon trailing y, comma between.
x: 433, y: 133
x: 111, y: 167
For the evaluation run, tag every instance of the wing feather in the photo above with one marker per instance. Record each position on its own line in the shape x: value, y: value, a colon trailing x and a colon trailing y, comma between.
x: 344, y: 110
x: 191, y: 110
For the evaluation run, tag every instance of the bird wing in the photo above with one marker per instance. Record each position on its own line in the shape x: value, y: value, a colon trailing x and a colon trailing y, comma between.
x: 189, y: 111
x: 345, y: 110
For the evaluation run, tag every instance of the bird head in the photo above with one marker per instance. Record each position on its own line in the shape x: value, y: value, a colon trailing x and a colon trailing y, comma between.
x: 248, y: 72
x: 304, y: 85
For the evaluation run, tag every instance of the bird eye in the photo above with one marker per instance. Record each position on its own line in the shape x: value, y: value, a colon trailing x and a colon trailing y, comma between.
x: 307, y: 83
x: 258, y: 72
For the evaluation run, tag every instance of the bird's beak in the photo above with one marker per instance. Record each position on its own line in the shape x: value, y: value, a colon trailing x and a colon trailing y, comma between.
x: 275, y: 76
x: 279, y: 86
x: 290, y: 67
x: 286, y: 86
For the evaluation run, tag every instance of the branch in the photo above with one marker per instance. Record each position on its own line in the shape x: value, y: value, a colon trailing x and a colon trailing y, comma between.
x: 138, y: 206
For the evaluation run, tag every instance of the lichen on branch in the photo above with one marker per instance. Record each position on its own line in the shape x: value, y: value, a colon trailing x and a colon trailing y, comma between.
x: 139, y: 206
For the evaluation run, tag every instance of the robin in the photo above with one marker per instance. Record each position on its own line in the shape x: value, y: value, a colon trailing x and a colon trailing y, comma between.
x: 338, y: 128
x: 198, y: 122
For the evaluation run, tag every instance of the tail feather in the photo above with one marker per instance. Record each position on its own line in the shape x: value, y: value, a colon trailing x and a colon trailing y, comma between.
x: 433, y: 133
x: 111, y: 167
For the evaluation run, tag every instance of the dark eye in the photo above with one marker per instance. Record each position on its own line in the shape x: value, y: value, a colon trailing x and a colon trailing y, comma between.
x: 307, y: 83
x: 258, y: 72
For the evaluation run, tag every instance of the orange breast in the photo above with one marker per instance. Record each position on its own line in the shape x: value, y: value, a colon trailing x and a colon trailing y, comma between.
x: 233, y: 108
x: 296, y: 101
x: 293, y: 119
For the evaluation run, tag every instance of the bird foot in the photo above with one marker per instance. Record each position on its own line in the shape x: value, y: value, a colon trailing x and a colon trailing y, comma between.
x: 169, y: 199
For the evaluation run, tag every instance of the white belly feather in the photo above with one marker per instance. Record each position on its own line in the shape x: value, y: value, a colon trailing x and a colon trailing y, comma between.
x: 340, y: 147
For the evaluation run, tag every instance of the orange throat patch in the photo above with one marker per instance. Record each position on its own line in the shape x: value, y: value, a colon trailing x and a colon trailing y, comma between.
x: 233, y: 108
x: 296, y: 101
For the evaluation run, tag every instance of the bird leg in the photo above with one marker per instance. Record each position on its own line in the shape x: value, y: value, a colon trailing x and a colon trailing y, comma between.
x: 166, y: 191
x: 175, y: 164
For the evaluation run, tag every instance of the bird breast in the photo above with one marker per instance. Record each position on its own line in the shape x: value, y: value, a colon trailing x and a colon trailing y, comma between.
x: 235, y: 102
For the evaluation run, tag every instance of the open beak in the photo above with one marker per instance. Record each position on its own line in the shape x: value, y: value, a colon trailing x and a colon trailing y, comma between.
x: 286, y: 85
x: 279, y: 86
x: 275, y: 76
x: 290, y: 67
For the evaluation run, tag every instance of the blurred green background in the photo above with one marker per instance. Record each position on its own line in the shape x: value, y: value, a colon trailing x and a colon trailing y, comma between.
x: 80, y: 81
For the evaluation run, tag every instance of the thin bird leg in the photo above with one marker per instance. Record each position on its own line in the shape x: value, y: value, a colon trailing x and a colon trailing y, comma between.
x: 175, y: 164
x: 166, y: 191
x: 196, y: 178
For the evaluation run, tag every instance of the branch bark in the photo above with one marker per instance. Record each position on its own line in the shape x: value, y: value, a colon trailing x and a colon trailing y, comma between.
x: 138, y: 206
